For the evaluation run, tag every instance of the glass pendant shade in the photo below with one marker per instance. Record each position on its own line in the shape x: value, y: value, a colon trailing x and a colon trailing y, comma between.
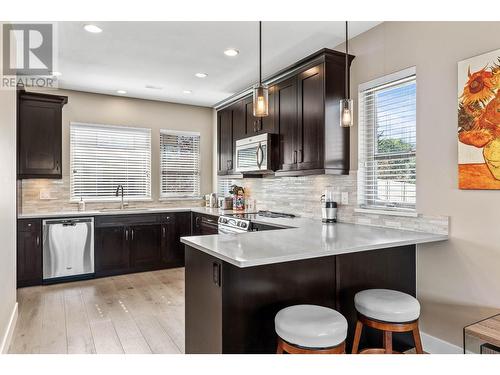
x: 346, y: 113
x: 260, y: 101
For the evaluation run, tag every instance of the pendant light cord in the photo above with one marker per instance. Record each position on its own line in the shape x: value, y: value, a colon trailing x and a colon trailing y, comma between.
x: 347, y: 94
x: 260, y: 53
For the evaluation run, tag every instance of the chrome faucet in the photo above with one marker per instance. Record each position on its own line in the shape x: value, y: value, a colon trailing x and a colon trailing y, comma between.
x: 116, y: 193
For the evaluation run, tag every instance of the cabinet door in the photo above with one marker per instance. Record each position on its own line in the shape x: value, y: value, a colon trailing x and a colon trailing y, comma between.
x: 286, y: 116
x: 253, y: 123
x: 40, y: 139
x: 145, y: 246
x: 225, y: 140
x: 112, y: 252
x: 29, y: 253
x: 239, y: 125
x: 175, y: 227
x: 311, y: 119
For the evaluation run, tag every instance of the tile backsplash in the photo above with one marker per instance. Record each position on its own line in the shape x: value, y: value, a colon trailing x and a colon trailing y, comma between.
x: 46, y: 195
x: 301, y: 196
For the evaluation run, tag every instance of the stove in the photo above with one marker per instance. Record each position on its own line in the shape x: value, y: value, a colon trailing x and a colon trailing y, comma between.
x: 242, y: 222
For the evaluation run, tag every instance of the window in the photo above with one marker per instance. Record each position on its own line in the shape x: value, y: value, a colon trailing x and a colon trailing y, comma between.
x: 387, y: 143
x: 105, y: 156
x: 180, y: 164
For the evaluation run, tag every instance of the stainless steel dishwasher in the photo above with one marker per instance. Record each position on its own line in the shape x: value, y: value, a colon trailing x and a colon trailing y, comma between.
x: 68, y: 247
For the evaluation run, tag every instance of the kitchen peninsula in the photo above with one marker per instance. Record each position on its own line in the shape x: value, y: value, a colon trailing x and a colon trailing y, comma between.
x: 235, y: 284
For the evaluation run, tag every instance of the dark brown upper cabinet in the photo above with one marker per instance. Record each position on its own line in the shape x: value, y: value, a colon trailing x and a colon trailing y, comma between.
x: 39, y: 137
x: 225, y: 141
x: 304, y: 108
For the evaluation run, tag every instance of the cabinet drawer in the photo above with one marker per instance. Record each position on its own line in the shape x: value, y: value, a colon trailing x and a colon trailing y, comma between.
x: 28, y: 225
x: 114, y: 220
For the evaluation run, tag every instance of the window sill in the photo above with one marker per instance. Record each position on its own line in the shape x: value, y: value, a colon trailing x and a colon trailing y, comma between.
x: 385, y: 212
x: 114, y: 200
x: 169, y: 199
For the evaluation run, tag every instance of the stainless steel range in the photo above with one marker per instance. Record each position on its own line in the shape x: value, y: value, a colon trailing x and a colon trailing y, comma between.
x: 242, y: 222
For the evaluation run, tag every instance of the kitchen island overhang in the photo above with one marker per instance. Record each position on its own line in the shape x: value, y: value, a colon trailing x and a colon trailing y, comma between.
x: 235, y: 284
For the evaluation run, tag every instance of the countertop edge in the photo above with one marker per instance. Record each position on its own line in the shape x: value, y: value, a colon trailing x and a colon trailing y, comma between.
x: 291, y: 258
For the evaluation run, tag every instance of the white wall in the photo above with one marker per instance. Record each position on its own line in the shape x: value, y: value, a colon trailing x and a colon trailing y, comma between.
x: 458, y: 280
x: 117, y: 110
x: 8, y: 304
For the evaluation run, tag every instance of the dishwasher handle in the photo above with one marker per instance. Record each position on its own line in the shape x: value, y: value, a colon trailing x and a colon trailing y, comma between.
x: 70, y: 221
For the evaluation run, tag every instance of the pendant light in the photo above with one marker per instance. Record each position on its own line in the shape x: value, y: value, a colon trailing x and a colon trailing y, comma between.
x: 260, y: 91
x: 346, y: 104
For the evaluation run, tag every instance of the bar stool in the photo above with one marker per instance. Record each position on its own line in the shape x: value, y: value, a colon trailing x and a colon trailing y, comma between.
x: 388, y: 311
x: 310, y: 329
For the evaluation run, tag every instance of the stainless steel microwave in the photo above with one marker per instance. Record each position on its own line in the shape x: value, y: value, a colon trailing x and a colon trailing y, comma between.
x: 256, y: 154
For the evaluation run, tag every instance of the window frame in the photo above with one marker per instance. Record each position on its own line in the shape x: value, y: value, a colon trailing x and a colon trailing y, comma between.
x: 167, y: 197
x: 370, y: 205
x: 146, y: 198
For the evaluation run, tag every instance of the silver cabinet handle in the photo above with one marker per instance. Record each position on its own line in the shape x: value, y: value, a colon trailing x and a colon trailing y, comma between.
x: 37, y: 241
x: 132, y: 234
x: 126, y: 234
x: 163, y: 231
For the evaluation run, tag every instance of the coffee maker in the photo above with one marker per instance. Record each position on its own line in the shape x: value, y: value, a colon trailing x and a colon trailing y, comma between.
x: 328, y: 206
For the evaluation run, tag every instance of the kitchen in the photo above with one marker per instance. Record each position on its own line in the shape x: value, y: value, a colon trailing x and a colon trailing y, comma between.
x: 187, y: 214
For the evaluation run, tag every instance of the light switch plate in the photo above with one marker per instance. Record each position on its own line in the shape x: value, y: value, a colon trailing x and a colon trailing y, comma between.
x: 344, y: 198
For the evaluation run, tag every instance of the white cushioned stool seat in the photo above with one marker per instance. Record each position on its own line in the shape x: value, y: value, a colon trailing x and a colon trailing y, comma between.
x: 311, y: 326
x: 387, y: 305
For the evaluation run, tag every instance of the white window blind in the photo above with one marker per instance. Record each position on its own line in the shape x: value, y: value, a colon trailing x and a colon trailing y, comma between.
x: 387, y: 143
x: 180, y: 164
x: 105, y: 156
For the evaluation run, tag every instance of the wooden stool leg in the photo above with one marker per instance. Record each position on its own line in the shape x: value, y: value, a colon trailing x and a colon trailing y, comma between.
x: 279, y: 349
x: 357, y: 337
x: 388, y: 342
x: 418, y: 341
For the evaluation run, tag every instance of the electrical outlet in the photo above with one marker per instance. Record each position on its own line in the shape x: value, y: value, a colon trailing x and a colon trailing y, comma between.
x: 344, y: 198
x: 45, y: 194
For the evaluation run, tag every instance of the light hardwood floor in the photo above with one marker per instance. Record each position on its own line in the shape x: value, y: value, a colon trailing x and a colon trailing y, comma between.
x: 136, y: 313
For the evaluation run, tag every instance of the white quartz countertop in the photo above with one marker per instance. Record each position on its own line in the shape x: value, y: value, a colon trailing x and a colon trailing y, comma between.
x: 125, y: 211
x: 303, y: 239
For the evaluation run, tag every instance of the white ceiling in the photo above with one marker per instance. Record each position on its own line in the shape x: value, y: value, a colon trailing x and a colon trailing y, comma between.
x: 131, y: 55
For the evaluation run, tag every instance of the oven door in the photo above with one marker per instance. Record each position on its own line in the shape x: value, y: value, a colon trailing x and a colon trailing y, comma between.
x: 252, y: 154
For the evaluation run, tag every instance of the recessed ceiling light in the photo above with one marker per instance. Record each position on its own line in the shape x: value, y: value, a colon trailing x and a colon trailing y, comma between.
x: 121, y: 92
x: 187, y: 91
x: 56, y: 74
x: 201, y: 75
x: 231, y: 52
x: 92, y: 28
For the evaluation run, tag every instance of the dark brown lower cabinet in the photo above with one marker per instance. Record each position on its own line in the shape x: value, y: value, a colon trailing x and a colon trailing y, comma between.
x: 145, y: 246
x: 231, y: 309
x: 111, y: 250
x: 137, y: 243
x: 29, y: 252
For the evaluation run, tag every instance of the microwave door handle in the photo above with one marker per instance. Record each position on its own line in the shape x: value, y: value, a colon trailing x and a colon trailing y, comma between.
x: 261, y: 155
x: 259, y: 152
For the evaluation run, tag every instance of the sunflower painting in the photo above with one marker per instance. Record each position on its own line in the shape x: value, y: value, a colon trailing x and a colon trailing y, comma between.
x: 479, y: 122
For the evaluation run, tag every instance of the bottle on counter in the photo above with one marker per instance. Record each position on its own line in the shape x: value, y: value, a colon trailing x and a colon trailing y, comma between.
x: 81, y: 204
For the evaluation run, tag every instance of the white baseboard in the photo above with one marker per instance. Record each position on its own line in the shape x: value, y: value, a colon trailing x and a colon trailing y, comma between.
x: 5, y: 343
x: 433, y: 345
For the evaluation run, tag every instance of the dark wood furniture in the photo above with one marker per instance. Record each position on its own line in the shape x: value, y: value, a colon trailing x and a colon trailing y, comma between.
x: 387, y: 328
x: 39, y: 135
x: 136, y: 243
x: 304, y: 110
x: 29, y: 252
x: 285, y: 347
x: 122, y: 244
x: 231, y: 309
